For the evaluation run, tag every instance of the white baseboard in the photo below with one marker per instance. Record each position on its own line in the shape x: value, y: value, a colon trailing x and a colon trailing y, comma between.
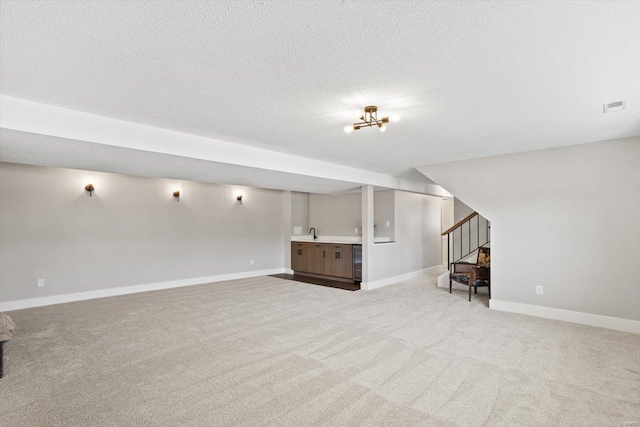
x: 124, y: 290
x: 615, y: 323
x: 368, y: 286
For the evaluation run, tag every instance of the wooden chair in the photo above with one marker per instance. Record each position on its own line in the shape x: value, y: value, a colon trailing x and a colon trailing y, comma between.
x: 473, y: 275
x: 6, y: 330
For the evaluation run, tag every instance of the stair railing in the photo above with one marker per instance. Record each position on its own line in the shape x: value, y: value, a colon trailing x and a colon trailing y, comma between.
x: 451, y: 240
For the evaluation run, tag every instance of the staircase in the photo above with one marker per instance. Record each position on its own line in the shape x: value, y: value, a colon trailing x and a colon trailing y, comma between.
x: 463, y: 240
x: 466, y: 236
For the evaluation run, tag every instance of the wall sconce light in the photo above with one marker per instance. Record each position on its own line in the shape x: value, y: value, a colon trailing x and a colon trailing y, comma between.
x: 239, y: 198
x: 90, y: 188
x: 176, y: 194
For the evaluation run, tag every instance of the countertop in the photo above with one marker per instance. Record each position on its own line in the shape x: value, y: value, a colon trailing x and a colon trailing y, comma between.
x: 337, y: 239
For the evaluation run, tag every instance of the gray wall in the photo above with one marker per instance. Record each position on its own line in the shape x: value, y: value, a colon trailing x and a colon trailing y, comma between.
x: 300, y: 211
x: 417, y: 238
x: 130, y: 232
x: 384, y: 210
x: 337, y: 215
x: 431, y: 229
x: 566, y: 218
x: 460, y: 210
x: 340, y: 215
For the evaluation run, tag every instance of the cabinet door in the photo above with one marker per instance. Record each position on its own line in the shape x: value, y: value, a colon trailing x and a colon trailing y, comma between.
x: 300, y: 257
x: 340, y: 262
x: 319, y: 258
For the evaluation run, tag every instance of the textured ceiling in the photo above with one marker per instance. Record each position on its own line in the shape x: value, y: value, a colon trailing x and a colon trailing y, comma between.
x: 470, y: 79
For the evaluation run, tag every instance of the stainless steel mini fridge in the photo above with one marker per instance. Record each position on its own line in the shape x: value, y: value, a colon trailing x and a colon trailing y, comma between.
x: 357, y: 263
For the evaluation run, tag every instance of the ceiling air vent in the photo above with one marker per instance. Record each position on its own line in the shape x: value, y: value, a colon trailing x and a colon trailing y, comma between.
x: 612, y: 107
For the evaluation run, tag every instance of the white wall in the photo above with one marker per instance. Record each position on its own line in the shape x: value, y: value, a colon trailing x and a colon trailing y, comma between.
x: 417, y: 239
x: 565, y: 218
x: 336, y: 215
x: 130, y: 232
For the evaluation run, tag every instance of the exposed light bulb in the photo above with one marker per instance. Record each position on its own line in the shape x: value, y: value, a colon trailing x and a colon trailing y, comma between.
x: 348, y: 129
x: 395, y: 118
x: 382, y: 128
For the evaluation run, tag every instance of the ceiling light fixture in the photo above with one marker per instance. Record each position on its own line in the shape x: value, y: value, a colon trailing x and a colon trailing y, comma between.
x: 370, y: 119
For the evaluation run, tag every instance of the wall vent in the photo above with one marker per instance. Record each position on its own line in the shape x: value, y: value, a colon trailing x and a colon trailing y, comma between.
x: 612, y: 107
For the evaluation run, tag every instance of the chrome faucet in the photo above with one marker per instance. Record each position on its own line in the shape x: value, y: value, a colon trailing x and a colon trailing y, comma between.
x: 315, y: 237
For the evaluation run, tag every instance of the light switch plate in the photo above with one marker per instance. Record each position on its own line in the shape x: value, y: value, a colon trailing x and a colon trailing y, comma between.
x: 41, y: 283
x: 297, y: 230
x: 539, y: 290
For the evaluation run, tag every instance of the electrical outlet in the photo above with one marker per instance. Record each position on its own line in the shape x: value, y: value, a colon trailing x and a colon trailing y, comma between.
x: 388, y: 223
x: 539, y: 290
x: 356, y: 231
x: 252, y: 262
x: 41, y: 283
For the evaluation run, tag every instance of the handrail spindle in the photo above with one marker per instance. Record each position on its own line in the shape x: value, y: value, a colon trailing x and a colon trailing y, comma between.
x: 451, y: 242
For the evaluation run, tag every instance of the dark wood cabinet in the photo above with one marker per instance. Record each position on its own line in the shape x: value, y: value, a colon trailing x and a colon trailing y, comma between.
x: 319, y: 259
x: 300, y: 256
x: 340, y: 262
x: 326, y: 259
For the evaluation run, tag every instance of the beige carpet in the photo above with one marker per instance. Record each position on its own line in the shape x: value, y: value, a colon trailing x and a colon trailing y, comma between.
x: 268, y: 351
